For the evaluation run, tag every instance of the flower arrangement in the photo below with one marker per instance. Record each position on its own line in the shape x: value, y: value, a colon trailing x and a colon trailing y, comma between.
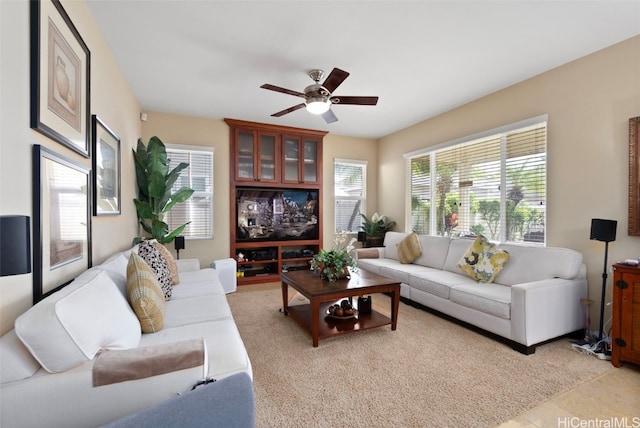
x: 377, y: 226
x: 333, y: 264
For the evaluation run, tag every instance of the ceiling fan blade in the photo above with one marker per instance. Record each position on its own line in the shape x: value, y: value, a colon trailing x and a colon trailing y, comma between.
x: 288, y: 110
x: 334, y: 79
x: 363, y: 101
x: 283, y: 90
x: 329, y: 117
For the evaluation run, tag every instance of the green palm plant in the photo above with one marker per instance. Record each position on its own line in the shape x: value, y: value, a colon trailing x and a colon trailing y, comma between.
x: 155, y: 182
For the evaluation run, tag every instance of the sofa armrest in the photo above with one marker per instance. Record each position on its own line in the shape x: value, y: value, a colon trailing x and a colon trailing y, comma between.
x: 546, y: 309
x: 188, y: 265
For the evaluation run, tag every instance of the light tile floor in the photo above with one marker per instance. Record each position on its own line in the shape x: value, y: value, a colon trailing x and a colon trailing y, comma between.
x: 610, y: 400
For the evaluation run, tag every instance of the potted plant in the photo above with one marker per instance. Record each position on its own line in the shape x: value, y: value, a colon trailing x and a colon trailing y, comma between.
x: 155, y: 182
x: 334, y: 264
x: 375, y: 228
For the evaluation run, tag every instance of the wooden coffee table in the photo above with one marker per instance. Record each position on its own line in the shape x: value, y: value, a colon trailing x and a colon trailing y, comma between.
x: 322, y: 294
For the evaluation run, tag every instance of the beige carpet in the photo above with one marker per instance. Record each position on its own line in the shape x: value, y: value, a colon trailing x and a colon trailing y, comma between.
x: 428, y: 373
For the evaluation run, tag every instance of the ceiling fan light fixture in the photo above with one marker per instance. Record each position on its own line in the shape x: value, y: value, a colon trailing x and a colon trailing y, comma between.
x: 318, y: 105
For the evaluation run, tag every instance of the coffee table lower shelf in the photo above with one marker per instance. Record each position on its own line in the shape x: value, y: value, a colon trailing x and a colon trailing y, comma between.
x: 328, y: 326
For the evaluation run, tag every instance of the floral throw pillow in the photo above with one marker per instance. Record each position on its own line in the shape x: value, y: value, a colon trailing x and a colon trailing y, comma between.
x: 154, y: 258
x: 483, y: 261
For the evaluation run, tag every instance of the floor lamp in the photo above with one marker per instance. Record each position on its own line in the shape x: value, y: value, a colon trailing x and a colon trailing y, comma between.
x: 605, y: 231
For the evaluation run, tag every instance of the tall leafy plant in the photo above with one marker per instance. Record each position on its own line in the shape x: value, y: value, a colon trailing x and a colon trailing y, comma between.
x: 155, y: 182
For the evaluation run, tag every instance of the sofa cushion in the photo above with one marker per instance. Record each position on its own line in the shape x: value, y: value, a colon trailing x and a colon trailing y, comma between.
x: 530, y: 264
x: 16, y: 361
x: 437, y: 282
x: 158, y: 263
x: 457, y: 248
x: 391, y: 241
x: 171, y: 262
x: 434, y: 251
x: 72, y: 325
x: 483, y: 261
x: 409, y: 248
x: 145, y: 295
x: 493, y: 299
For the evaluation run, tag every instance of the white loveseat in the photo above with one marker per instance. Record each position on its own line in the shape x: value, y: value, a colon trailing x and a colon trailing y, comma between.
x: 47, y: 361
x: 535, y: 298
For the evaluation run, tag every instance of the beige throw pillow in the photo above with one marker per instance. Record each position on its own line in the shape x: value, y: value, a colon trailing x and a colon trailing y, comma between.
x: 144, y: 295
x: 171, y: 262
x: 409, y: 248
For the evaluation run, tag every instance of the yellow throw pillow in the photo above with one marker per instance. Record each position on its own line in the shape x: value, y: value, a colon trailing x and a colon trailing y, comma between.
x: 145, y: 295
x: 483, y: 261
x: 171, y: 262
x: 409, y: 248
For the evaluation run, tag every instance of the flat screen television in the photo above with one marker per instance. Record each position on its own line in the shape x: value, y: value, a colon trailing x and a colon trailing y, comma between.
x: 276, y: 214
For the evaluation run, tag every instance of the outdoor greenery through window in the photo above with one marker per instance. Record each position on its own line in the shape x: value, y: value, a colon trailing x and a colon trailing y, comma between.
x: 198, y: 176
x: 492, y: 184
x: 349, y: 178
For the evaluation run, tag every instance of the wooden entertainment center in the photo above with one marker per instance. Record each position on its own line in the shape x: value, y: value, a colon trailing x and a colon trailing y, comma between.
x: 276, y: 199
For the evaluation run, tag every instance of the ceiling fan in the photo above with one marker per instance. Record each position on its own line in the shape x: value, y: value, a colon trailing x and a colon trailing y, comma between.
x: 318, y: 98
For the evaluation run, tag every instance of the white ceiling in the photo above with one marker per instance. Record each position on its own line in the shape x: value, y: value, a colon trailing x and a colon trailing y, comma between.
x: 422, y: 58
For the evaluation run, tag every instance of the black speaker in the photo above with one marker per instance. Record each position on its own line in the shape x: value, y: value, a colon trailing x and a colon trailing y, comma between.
x: 179, y: 242
x: 15, y: 245
x: 603, y: 230
x: 362, y: 236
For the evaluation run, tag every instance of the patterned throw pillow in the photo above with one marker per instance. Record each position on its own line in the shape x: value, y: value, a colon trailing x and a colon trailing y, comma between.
x: 483, y: 261
x: 144, y: 295
x: 154, y: 258
x: 409, y: 248
x: 171, y: 262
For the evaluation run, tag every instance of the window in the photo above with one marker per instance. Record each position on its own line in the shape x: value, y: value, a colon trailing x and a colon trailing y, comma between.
x: 349, y: 178
x: 492, y: 184
x: 198, y: 209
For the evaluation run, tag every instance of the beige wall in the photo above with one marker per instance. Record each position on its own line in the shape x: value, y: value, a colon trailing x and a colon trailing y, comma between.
x: 176, y: 129
x: 111, y: 100
x: 589, y: 103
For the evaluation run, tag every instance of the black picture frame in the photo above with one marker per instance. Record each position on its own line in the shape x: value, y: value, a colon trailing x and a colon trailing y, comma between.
x: 61, y: 221
x: 60, y: 77
x: 105, y: 164
x: 634, y: 177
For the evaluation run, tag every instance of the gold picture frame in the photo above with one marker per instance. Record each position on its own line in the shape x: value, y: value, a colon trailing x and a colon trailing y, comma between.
x: 60, y: 74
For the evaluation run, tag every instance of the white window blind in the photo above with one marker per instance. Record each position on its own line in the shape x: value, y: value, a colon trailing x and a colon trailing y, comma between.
x: 198, y: 210
x: 349, y: 178
x: 494, y: 185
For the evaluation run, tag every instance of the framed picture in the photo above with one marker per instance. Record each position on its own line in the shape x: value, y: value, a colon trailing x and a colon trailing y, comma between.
x: 60, y: 74
x: 61, y: 221
x: 634, y: 176
x: 106, y: 169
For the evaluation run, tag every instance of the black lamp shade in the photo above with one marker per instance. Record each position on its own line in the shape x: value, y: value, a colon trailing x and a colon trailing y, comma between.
x: 179, y: 242
x: 15, y: 249
x: 603, y: 230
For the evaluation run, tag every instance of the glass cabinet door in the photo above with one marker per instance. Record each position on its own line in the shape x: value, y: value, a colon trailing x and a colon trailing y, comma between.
x: 310, y: 164
x: 245, y: 153
x: 267, y: 157
x: 291, y: 159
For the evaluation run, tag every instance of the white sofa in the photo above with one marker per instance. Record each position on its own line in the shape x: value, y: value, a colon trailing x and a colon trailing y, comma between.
x: 535, y: 298
x: 50, y: 381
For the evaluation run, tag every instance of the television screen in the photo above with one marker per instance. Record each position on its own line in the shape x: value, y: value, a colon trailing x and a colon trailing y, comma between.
x: 276, y: 214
